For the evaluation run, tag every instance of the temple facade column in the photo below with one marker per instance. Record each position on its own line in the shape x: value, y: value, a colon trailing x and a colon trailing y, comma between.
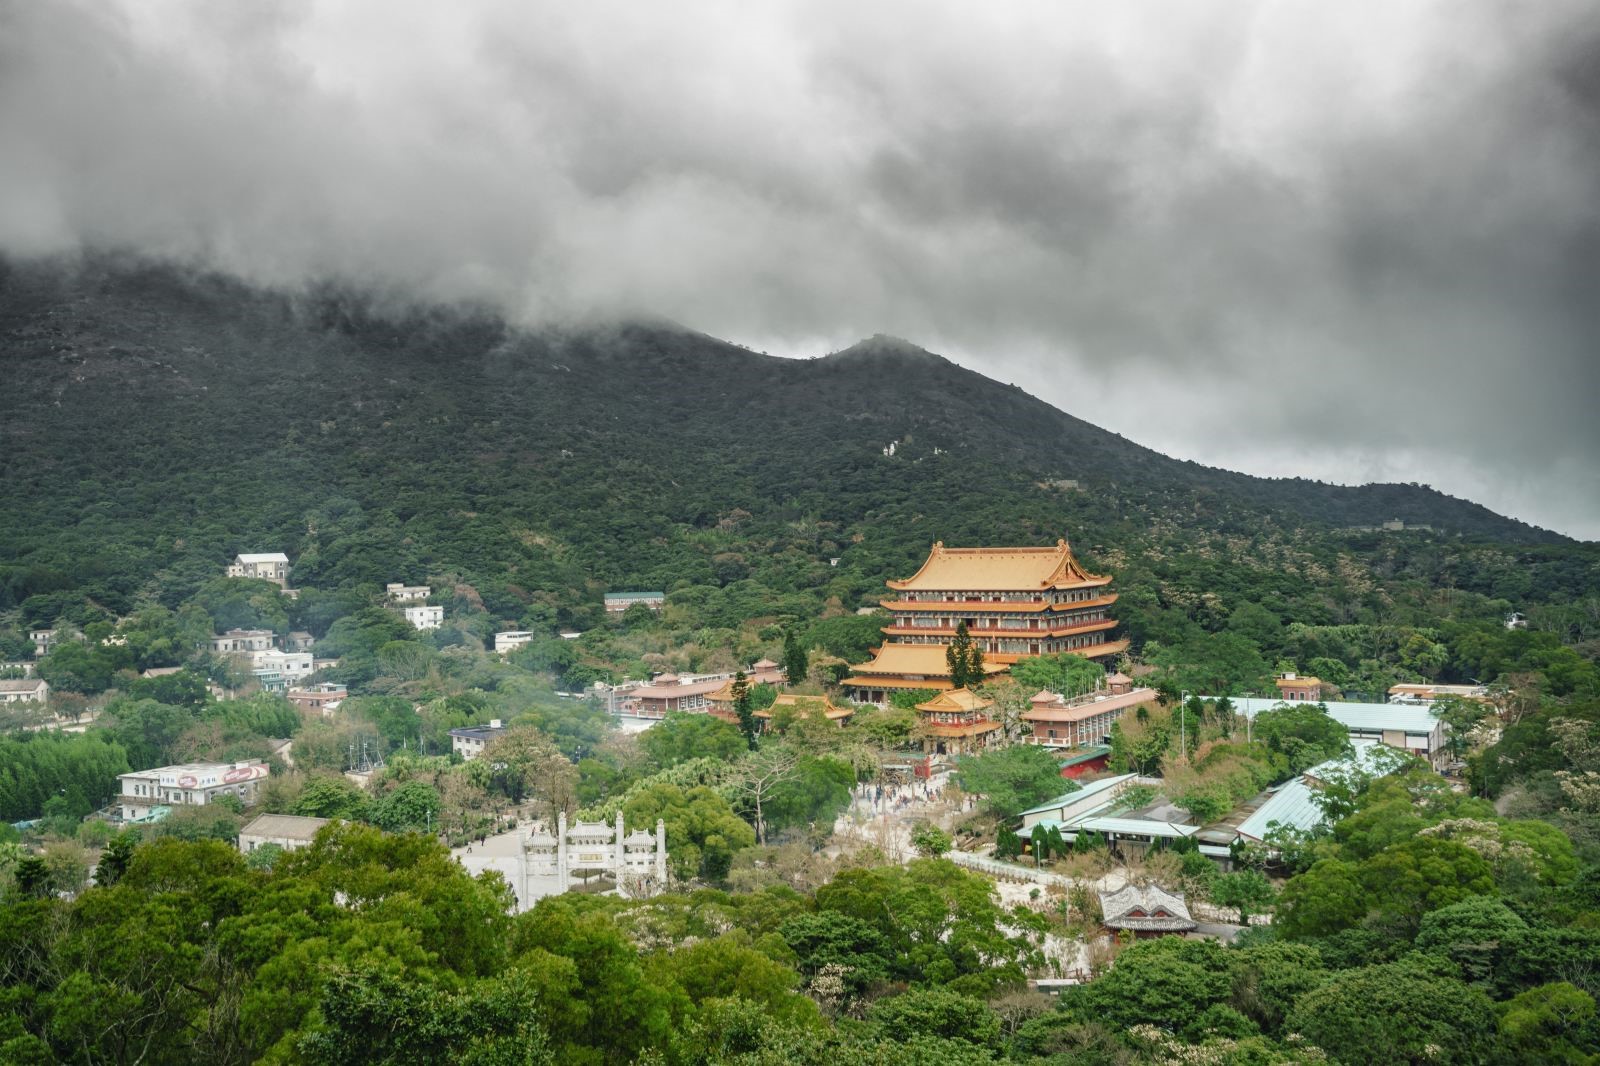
x: 561, y: 851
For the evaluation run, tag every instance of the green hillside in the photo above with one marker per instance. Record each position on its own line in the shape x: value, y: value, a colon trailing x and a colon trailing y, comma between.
x: 155, y: 423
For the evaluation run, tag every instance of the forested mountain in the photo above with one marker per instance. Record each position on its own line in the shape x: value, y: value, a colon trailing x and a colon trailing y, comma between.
x: 155, y: 422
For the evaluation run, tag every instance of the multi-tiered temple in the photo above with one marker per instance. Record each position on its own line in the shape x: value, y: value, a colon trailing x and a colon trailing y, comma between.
x: 1016, y: 602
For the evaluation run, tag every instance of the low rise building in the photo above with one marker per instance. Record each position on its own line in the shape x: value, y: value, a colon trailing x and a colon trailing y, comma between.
x: 668, y: 692
x: 401, y: 593
x: 1085, y: 721
x: 1296, y: 688
x: 294, y: 666
x: 268, y: 566
x: 617, y: 602
x: 188, y: 784
x: 1407, y: 726
x: 322, y: 698
x: 298, y: 640
x: 291, y: 832
x: 1427, y: 693
x: 26, y: 690
x: 43, y: 641
x: 512, y: 639
x: 242, y: 641
x: 424, y: 617
x: 469, y: 741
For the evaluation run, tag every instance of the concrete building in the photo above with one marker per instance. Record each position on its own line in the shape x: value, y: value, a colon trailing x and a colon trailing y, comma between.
x: 1427, y: 693
x: 1083, y: 721
x: 550, y: 864
x: 28, y: 689
x: 1407, y: 726
x: 298, y: 640
x: 1297, y: 688
x: 293, y: 666
x: 270, y: 566
x: 400, y: 593
x: 188, y: 784
x: 323, y: 698
x: 291, y: 832
x: 617, y: 602
x: 237, y: 641
x: 43, y: 641
x: 468, y: 742
x: 424, y: 617
x: 512, y: 639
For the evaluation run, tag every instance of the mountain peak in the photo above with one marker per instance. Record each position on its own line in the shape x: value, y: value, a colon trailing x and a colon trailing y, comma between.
x: 880, y: 345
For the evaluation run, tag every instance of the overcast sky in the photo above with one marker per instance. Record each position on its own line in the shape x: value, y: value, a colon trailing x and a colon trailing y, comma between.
x: 1352, y: 241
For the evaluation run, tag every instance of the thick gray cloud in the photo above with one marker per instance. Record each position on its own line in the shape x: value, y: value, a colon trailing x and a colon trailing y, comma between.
x: 1349, y: 241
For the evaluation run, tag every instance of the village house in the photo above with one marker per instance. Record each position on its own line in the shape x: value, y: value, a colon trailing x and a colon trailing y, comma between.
x: 1083, y: 721
x: 1014, y: 603
x: 292, y: 665
x: 956, y: 722
x: 468, y: 741
x: 291, y: 832
x: 43, y: 641
x: 298, y: 640
x: 512, y: 639
x: 322, y: 698
x: 26, y: 690
x: 424, y: 617
x: 189, y: 784
x: 617, y: 602
x: 401, y: 593
x: 271, y: 566
x: 1296, y: 688
x: 236, y: 641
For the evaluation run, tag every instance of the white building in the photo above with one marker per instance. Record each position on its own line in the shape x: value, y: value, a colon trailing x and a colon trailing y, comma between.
x: 512, y: 639
x: 270, y: 566
x: 30, y: 688
x: 43, y: 641
x: 424, y: 617
x: 402, y: 593
x: 1407, y: 726
x: 292, y: 665
x: 236, y: 641
x: 189, y: 784
x: 468, y: 741
x: 290, y: 832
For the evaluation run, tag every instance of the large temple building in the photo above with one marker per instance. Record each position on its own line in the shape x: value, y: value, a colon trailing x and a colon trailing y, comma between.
x: 1015, y: 602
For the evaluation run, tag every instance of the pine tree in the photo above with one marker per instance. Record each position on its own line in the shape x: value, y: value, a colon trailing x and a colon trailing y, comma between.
x: 794, y: 659
x: 964, y: 659
x: 743, y: 707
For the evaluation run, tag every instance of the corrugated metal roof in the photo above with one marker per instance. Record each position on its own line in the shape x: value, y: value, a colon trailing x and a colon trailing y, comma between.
x: 1090, y: 789
x: 1291, y: 806
x: 1136, y: 827
x: 1368, y: 716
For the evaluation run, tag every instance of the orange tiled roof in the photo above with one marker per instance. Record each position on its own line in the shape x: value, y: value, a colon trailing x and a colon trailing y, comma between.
x: 801, y: 703
x: 957, y: 699
x: 926, y: 660
x: 997, y: 570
